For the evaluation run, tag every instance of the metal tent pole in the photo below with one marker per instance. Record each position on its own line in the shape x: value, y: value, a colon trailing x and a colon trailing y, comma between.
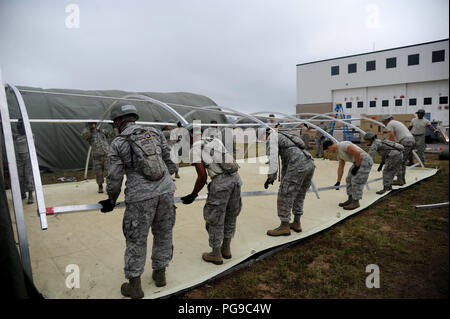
x: 15, y: 184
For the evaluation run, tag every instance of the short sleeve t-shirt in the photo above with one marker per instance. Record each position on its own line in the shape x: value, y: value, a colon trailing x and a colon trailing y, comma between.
x: 400, y: 130
x: 343, y: 153
x: 419, y: 126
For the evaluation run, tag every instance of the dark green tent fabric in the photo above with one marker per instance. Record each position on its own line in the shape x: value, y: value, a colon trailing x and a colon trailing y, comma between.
x: 60, y: 146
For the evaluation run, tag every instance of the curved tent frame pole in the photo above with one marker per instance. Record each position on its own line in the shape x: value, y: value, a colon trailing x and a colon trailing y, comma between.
x: 201, y: 108
x: 144, y: 98
x: 335, y: 119
x: 15, y: 183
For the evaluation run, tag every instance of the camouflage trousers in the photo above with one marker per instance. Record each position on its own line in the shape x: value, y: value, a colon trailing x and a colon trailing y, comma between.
x: 408, y: 144
x: 292, y: 192
x: 420, y: 147
x: 25, y: 173
x: 101, y: 164
x: 222, y: 208
x: 356, y: 183
x: 159, y: 214
x: 319, y: 147
x: 391, y: 167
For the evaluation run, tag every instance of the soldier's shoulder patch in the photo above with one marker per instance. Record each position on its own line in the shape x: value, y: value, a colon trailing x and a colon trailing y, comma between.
x: 148, y: 135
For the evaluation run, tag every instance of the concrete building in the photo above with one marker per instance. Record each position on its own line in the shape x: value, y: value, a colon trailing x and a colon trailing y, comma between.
x: 397, y: 81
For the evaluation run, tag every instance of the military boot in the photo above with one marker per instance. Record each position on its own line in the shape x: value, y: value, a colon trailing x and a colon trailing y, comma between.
x: 282, y: 230
x: 398, y: 182
x: 225, y: 249
x: 159, y: 276
x: 177, y: 175
x: 214, y: 257
x: 296, y: 225
x: 30, y: 198
x: 132, y: 289
x: 384, y: 190
x: 348, y: 201
x: 100, y: 188
x: 24, y: 195
x: 354, y: 204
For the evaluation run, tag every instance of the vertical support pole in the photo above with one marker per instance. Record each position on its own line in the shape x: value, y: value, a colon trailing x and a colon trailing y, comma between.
x: 314, y: 188
x: 41, y: 210
x: 15, y: 184
x: 417, y: 158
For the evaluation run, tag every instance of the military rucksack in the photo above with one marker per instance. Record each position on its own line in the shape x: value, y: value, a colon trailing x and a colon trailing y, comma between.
x: 149, y: 160
x: 299, y: 143
x: 393, y: 145
x: 227, y: 163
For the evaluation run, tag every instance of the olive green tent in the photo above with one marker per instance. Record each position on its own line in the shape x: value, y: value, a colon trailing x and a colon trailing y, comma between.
x: 59, y: 146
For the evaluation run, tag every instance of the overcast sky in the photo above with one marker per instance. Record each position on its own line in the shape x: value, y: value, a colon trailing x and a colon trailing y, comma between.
x: 240, y: 53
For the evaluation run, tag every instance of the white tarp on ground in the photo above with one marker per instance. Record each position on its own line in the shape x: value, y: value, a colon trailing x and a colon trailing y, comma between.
x: 94, y: 241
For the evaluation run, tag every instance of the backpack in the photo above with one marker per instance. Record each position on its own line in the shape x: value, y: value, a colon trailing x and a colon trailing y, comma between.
x: 227, y: 163
x: 392, y: 145
x: 299, y: 143
x: 149, y: 160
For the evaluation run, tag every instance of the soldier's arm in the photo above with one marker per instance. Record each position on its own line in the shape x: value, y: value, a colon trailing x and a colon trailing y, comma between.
x: 373, y: 149
x: 201, y: 177
x: 165, y: 153
x: 86, y: 134
x: 391, y: 136
x: 355, y: 152
x: 115, y: 174
x: 340, y: 171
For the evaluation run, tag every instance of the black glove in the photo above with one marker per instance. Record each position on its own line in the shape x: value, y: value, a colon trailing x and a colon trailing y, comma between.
x: 337, y: 185
x: 380, y: 167
x: 188, y: 199
x: 322, y: 138
x: 107, y: 205
x: 268, y: 181
x: 355, y: 170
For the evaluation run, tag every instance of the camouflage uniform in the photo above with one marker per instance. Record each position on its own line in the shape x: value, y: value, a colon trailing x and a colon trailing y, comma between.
x: 172, y: 143
x: 148, y: 204
x: 355, y: 183
x: 408, y: 144
x: 392, y: 157
x: 319, y: 139
x: 223, y: 204
x: 23, y: 164
x: 296, y: 176
x: 100, y: 148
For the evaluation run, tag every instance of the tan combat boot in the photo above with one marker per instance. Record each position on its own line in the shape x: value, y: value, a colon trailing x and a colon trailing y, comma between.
x: 398, y: 182
x: 100, y: 188
x: 214, y: 257
x: 384, y: 190
x: 159, y: 276
x: 296, y: 225
x: 354, y: 204
x: 132, y: 289
x: 282, y: 230
x: 348, y: 201
x: 225, y: 249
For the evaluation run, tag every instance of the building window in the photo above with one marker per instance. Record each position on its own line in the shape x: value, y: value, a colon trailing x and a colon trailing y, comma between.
x: 443, y: 100
x: 373, y: 103
x: 335, y: 70
x: 438, y: 56
x: 391, y: 63
x: 360, y: 104
x: 427, y: 101
x: 413, y: 59
x: 385, y: 103
x: 352, y: 68
x: 412, y: 101
x: 348, y: 105
x: 398, y: 102
x: 370, y: 65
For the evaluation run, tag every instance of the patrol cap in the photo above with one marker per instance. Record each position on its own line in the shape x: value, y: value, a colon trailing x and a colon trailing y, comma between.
x: 386, y: 117
x: 121, y: 110
x: 421, y: 111
x: 369, y: 136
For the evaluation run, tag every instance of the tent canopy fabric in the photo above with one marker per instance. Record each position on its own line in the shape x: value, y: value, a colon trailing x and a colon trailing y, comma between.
x: 59, y: 146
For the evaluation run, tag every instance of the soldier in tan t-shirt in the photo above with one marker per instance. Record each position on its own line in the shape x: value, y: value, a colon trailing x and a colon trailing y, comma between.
x: 418, y: 128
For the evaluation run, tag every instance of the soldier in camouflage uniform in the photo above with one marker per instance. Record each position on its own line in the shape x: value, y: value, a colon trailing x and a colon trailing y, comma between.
x: 148, y: 203
x: 98, y: 139
x: 24, y: 163
x: 224, y: 203
x: 391, y: 158
x: 167, y: 131
x: 319, y: 139
x: 357, y: 175
x: 296, y: 176
x: 418, y: 129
